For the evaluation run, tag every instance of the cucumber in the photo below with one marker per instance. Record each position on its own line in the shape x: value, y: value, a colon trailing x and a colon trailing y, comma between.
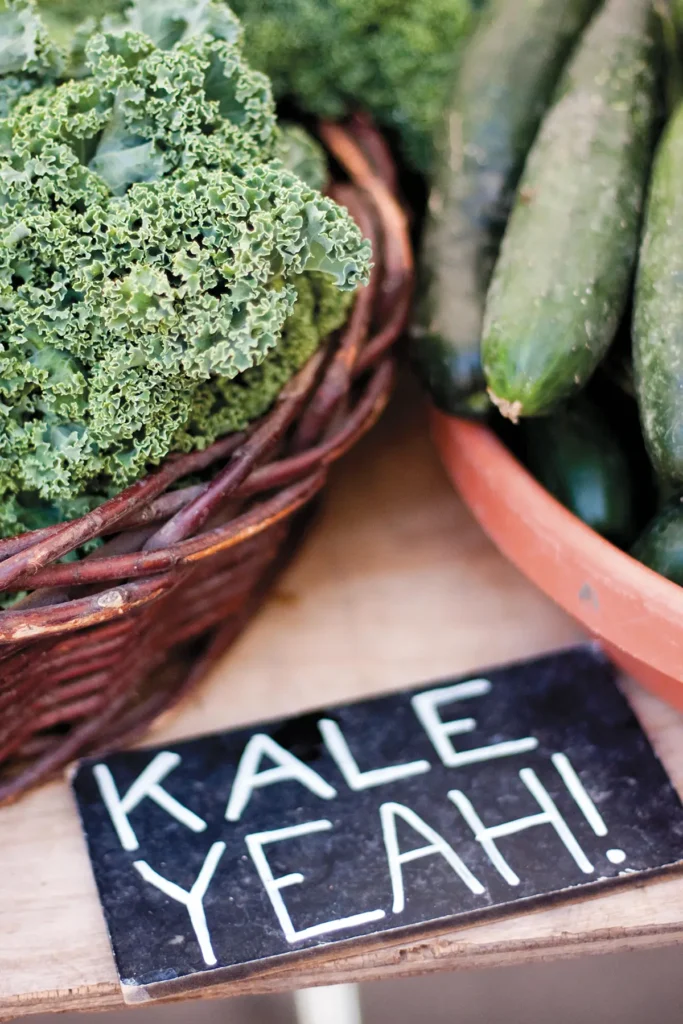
x: 562, y: 279
x: 506, y: 78
x: 658, y: 310
x: 578, y: 457
x: 660, y: 546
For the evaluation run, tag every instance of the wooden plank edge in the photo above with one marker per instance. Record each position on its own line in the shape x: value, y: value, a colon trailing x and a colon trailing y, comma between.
x: 320, y: 959
x: 446, y: 953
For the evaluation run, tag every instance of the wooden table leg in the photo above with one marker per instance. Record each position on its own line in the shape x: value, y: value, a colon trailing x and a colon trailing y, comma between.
x: 330, y: 1004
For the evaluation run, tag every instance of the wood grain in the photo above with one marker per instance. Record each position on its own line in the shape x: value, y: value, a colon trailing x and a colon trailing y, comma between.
x: 396, y: 585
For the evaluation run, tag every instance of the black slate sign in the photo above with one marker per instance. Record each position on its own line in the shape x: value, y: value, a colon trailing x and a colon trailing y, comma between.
x: 359, y: 824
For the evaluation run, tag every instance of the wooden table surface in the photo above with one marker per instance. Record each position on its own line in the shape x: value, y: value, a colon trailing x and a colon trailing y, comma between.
x: 395, y: 586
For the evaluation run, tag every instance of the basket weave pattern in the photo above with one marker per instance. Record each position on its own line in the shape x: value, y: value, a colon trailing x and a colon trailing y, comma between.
x: 101, y: 646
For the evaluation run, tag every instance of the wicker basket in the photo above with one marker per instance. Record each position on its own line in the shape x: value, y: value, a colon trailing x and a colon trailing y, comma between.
x: 101, y: 646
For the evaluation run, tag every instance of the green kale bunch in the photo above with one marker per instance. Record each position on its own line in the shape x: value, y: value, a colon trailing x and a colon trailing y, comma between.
x: 162, y: 271
x: 393, y: 58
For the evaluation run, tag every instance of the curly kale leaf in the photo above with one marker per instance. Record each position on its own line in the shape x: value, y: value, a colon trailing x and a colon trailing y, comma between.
x: 170, y: 22
x: 25, y: 45
x: 222, y: 405
x: 28, y: 57
x: 62, y: 17
x: 162, y: 271
x: 192, y: 415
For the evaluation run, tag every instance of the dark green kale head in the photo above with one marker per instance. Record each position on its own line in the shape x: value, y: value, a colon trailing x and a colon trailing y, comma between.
x: 393, y: 58
x: 162, y: 271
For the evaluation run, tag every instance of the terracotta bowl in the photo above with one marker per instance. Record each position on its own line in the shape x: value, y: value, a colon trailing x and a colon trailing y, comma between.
x: 636, y: 614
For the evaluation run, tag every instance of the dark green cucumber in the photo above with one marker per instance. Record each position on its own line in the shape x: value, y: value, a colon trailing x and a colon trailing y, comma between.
x: 658, y: 310
x: 565, y: 265
x: 660, y: 546
x: 577, y: 456
x: 506, y: 78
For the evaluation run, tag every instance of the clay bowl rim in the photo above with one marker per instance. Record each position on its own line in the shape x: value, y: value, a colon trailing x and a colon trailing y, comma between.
x: 477, y: 461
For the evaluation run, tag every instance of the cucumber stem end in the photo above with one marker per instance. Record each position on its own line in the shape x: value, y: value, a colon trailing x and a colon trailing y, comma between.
x: 511, y: 410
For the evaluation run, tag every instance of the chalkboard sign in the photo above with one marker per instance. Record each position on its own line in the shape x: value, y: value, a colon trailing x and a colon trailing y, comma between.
x: 360, y: 824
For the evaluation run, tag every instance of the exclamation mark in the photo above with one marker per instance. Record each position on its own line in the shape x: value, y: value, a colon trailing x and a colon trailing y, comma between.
x: 588, y: 808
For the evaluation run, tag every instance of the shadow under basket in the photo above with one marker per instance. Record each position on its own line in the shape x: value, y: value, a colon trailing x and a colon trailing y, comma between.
x: 101, y: 646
